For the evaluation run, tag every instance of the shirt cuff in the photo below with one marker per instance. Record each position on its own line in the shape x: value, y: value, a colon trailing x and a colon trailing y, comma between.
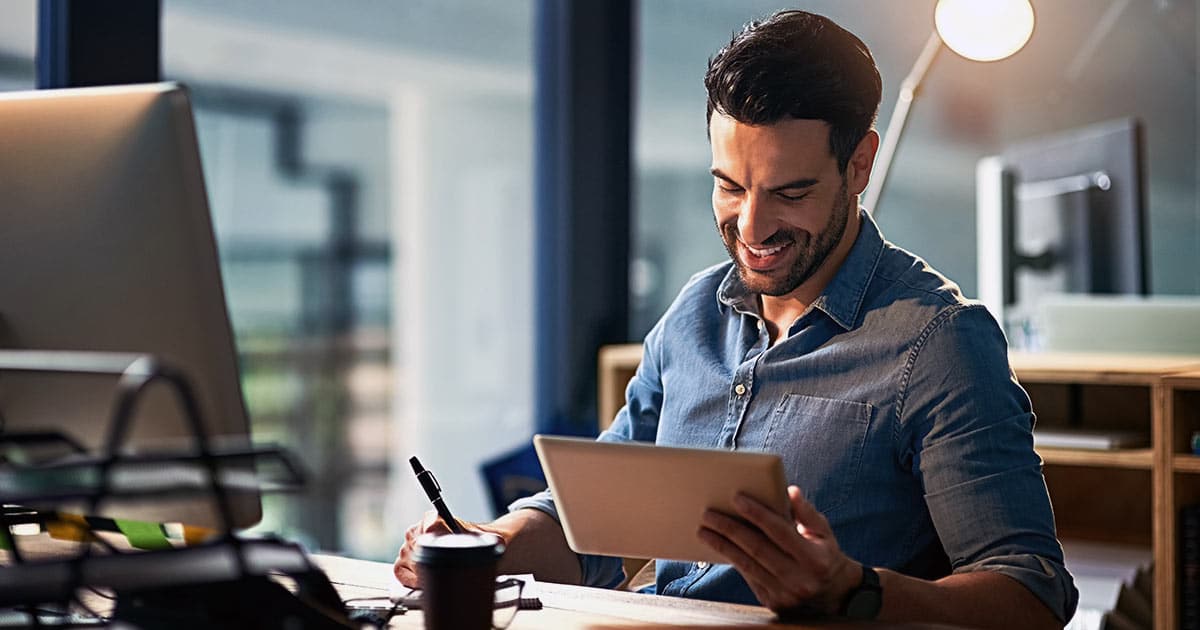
x: 1048, y: 580
x: 601, y: 571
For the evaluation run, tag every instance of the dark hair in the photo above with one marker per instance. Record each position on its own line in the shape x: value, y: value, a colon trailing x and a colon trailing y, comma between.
x: 799, y: 65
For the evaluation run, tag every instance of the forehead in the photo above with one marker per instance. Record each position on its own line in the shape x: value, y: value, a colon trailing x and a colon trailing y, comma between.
x: 793, y: 146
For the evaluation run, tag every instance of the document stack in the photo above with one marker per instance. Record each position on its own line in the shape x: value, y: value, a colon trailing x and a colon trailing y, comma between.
x: 92, y: 569
x: 1115, y: 586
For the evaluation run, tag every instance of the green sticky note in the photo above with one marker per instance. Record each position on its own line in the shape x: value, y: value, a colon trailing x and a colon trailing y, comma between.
x: 144, y: 535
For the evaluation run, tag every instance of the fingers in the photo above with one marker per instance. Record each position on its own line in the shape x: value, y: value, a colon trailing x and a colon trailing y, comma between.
x: 807, y: 514
x: 756, y: 576
x: 433, y: 524
x: 772, y: 582
x: 405, y: 568
x: 406, y: 575
x: 786, y: 560
x: 778, y: 558
x: 779, y: 529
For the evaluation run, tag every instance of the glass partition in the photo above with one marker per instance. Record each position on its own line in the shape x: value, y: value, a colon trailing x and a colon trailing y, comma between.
x: 1086, y: 62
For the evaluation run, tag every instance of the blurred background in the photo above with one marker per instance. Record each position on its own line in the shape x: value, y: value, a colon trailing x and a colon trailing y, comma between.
x: 371, y: 170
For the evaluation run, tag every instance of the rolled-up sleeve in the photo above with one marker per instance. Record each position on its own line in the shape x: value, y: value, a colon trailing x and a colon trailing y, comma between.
x: 969, y: 425
x: 602, y: 571
x: 636, y: 421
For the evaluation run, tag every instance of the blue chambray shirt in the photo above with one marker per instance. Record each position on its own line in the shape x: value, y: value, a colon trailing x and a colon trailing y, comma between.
x: 891, y: 403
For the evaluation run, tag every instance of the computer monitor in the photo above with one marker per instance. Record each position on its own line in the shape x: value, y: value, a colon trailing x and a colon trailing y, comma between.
x: 1061, y: 214
x: 106, y: 244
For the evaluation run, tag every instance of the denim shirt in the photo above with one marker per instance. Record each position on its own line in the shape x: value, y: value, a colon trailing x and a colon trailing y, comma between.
x: 891, y: 403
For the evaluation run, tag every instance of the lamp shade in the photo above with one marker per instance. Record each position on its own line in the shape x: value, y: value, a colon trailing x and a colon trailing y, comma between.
x: 984, y: 30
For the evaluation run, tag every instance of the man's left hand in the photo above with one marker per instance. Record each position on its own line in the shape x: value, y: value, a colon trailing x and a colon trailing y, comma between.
x: 789, y: 563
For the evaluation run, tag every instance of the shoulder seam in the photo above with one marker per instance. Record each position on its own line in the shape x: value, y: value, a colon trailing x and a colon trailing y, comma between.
x: 933, y: 325
x: 941, y: 295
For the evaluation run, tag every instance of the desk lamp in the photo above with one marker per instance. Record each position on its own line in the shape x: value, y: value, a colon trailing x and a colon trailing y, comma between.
x: 979, y: 30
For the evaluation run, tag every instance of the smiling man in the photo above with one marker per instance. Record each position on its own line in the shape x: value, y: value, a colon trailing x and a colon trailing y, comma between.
x: 784, y: 212
x: 916, y: 494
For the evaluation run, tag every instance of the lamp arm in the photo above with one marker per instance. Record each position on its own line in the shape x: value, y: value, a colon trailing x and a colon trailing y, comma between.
x: 891, y: 138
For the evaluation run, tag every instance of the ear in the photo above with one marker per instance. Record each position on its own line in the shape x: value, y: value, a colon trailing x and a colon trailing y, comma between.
x: 858, y: 169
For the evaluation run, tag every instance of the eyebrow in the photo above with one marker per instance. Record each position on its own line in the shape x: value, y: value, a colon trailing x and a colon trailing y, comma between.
x: 792, y: 185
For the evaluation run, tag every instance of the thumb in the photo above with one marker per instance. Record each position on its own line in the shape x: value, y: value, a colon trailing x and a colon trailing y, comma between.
x: 433, y: 524
x: 806, y: 514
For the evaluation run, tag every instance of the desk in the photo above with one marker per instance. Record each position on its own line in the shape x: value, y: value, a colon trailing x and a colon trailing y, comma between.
x: 577, y: 607
x: 564, y: 607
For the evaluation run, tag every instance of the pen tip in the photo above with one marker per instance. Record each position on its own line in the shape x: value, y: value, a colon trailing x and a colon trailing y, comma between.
x: 416, y: 464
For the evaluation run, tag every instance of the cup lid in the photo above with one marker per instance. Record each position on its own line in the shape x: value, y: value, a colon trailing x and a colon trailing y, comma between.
x: 458, y: 549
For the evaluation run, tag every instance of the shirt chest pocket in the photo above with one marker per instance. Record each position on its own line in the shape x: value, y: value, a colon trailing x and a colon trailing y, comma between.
x: 821, y: 441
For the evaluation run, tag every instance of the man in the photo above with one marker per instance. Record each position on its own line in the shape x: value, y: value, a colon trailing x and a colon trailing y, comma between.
x: 917, y: 495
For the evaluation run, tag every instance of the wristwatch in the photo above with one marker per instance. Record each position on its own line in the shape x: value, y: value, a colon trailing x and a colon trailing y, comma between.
x: 865, y: 600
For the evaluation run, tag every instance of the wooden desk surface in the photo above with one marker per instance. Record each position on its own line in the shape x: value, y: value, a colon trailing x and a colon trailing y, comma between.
x: 577, y: 607
x: 564, y: 607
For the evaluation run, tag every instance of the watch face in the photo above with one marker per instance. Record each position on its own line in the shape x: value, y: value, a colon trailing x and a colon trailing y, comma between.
x: 866, y: 600
x: 864, y: 604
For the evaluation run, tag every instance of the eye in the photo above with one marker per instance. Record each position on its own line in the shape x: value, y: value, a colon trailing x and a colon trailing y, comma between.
x: 797, y: 197
x: 727, y: 187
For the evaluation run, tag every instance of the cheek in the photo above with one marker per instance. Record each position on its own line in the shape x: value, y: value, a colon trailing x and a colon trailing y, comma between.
x: 724, y: 209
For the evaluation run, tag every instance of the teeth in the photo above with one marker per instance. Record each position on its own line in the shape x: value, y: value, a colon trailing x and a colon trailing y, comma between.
x: 762, y: 253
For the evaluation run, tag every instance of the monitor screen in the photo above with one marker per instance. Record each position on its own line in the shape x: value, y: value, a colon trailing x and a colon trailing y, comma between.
x: 1061, y: 214
x: 107, y: 245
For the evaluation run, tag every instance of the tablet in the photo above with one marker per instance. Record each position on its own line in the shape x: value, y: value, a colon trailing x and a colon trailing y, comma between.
x: 637, y: 500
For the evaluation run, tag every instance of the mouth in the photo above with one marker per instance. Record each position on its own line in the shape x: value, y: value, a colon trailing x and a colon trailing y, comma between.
x: 764, y: 258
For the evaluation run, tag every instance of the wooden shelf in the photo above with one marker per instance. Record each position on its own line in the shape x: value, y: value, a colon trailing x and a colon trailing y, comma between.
x: 1185, y: 463
x: 1189, y: 380
x: 1099, y: 368
x: 616, y: 366
x: 1140, y: 458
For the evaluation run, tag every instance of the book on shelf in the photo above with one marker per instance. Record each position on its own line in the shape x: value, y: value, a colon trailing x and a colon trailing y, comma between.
x: 1114, y: 583
x: 1116, y: 620
x: 1189, y: 565
x: 1089, y: 439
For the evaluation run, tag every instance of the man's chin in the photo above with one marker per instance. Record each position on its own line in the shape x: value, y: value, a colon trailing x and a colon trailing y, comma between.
x: 772, y: 283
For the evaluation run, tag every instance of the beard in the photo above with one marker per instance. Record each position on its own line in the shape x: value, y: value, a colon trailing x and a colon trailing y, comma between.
x: 811, y: 252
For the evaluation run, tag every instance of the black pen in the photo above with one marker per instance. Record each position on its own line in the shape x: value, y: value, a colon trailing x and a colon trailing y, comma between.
x: 434, y: 491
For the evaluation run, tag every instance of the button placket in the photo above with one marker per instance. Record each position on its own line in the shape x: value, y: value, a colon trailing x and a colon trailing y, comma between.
x: 743, y: 387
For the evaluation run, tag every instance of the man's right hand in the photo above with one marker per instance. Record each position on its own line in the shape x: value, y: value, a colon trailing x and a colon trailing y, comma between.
x: 405, y: 567
x: 535, y: 544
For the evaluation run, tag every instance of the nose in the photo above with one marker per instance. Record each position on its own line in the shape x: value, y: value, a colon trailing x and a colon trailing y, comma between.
x: 755, y: 223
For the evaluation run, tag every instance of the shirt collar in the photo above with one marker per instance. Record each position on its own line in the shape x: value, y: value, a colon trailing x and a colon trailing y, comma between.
x: 842, y: 298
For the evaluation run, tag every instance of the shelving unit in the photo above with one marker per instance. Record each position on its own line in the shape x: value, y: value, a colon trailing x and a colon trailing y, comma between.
x: 1127, y: 496
x: 1119, y: 496
x: 1181, y: 402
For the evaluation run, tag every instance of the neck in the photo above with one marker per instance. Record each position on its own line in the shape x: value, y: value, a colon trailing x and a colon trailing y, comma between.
x: 780, y: 311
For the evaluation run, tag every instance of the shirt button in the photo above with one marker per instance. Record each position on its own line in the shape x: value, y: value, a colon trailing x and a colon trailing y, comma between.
x: 739, y: 389
x: 702, y: 565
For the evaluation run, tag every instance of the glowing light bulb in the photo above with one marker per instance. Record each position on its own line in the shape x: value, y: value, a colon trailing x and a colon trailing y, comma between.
x: 984, y: 30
